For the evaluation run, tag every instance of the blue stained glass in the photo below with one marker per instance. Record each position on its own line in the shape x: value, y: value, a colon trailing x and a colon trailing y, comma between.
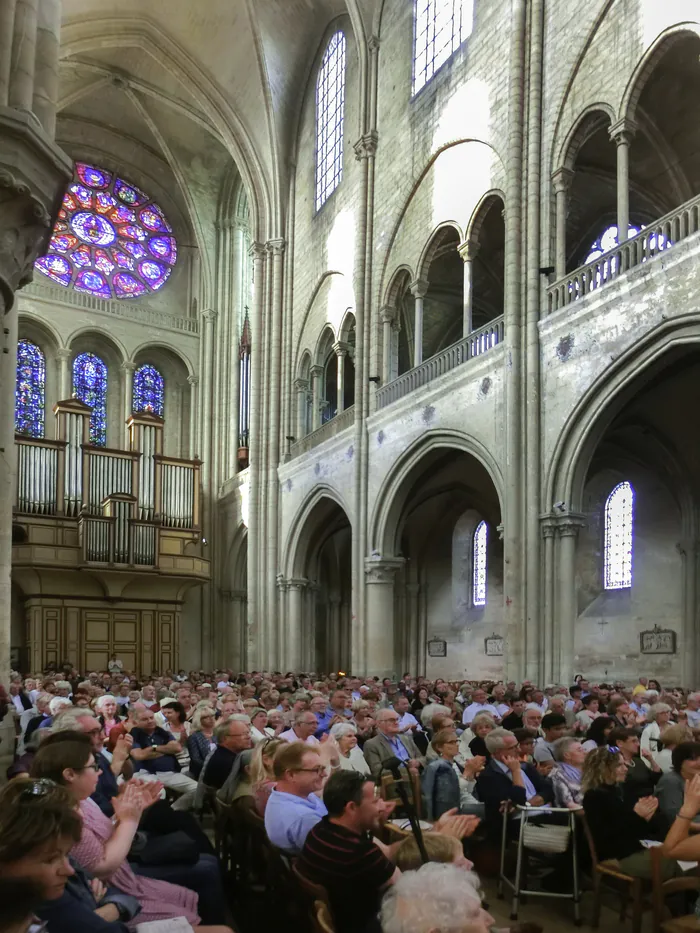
x: 30, y: 389
x: 90, y: 386
x: 149, y: 390
x: 103, y: 225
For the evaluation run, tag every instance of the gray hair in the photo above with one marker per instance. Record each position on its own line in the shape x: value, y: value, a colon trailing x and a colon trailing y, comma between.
x: 67, y: 720
x: 495, y: 739
x: 438, y: 896
x: 100, y: 701
x: 341, y: 729
x: 197, y: 718
x: 432, y: 710
x: 221, y: 729
x: 482, y: 717
x: 655, y: 709
x: 62, y: 685
x: 562, y: 746
x: 58, y: 703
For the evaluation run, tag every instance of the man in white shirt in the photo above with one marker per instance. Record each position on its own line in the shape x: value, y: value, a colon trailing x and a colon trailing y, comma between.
x: 479, y: 705
x: 407, y: 721
x: 305, y: 724
x: 115, y: 666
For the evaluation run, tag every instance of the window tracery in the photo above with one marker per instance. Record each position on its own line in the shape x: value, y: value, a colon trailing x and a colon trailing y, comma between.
x: 90, y: 386
x: 30, y: 389
x: 619, y: 538
x: 330, y: 113
x: 441, y: 26
x: 110, y: 239
x: 479, y: 562
x: 148, y: 390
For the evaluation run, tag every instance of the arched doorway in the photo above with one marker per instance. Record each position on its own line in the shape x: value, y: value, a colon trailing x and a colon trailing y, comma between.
x: 319, y: 590
x: 441, y: 526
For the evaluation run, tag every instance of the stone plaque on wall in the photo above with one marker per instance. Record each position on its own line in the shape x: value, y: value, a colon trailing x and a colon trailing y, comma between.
x: 657, y: 641
x: 493, y: 646
x: 437, y: 648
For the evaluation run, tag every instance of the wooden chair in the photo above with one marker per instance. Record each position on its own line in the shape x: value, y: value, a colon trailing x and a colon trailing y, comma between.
x: 660, y: 890
x: 629, y: 887
x: 313, y: 894
x: 387, y: 789
x: 222, y: 829
x: 322, y: 919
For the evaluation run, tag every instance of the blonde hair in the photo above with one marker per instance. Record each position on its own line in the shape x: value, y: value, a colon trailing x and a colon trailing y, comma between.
x: 599, y: 768
x: 674, y: 735
x: 199, y: 713
x: 438, y: 848
x: 441, y: 739
x: 258, y: 772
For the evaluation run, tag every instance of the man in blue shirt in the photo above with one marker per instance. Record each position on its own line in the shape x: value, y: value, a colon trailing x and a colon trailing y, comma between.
x: 294, y: 806
x: 389, y: 743
x: 154, y: 752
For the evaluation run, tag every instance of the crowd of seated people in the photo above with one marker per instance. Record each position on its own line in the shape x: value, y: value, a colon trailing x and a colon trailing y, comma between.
x: 122, y: 766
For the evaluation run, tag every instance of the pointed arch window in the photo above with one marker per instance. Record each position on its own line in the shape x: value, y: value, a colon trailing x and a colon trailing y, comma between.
x: 149, y: 390
x: 30, y: 389
x: 619, y: 538
x: 479, y: 568
x: 90, y: 386
x: 441, y: 26
x: 330, y: 114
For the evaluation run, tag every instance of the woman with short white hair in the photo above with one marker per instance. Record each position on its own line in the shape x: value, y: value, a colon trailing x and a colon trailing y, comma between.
x: 658, y: 716
x: 351, y: 758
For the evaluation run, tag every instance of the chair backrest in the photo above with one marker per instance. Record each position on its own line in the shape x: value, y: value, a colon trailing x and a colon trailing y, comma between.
x: 580, y: 815
x: 388, y: 791
x: 315, y: 892
x: 661, y: 889
x: 322, y: 918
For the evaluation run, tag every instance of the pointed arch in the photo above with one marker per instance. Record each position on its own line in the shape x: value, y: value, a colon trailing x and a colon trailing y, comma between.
x: 90, y: 386
x: 618, y: 538
x: 330, y: 118
x: 148, y: 390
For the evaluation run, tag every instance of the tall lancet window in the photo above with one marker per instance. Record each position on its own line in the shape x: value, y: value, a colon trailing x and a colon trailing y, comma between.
x: 441, y: 26
x: 479, y: 568
x: 619, y: 538
x: 330, y: 113
x: 149, y: 391
x: 90, y: 386
x: 30, y: 389
x: 244, y: 384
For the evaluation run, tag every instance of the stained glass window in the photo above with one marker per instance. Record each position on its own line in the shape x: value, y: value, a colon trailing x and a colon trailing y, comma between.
x: 479, y: 565
x: 90, y: 386
x: 618, y: 544
x: 330, y: 111
x: 110, y: 238
x: 30, y: 389
x: 441, y: 26
x: 149, y: 390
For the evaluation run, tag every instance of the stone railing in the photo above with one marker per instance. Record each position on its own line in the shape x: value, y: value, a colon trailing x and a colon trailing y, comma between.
x: 654, y: 239
x: 130, y: 310
x: 476, y: 343
x: 324, y: 433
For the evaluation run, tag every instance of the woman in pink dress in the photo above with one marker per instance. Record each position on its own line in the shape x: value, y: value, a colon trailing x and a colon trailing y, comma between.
x: 104, y: 844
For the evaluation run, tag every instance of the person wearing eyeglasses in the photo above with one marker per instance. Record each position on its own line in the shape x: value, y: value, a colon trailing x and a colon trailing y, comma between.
x: 390, y: 743
x: 446, y: 786
x: 294, y: 806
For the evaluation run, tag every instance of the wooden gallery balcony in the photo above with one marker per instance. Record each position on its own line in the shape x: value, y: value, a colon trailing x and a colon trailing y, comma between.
x: 80, y: 507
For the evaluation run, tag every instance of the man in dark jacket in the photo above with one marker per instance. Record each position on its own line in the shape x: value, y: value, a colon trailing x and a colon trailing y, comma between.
x: 506, y: 779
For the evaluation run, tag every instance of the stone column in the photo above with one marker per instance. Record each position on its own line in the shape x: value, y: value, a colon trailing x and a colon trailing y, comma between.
x: 387, y: 314
x: 568, y: 527
x: 46, y: 66
x: 7, y: 21
x: 193, y: 382
x: 621, y: 134
x: 419, y: 289
x: 468, y: 251
x: 547, y: 645
x: 296, y: 590
x: 208, y: 327
x: 379, y: 578
x: 412, y: 653
x: 127, y: 370
x: 333, y: 637
x: 316, y: 395
x: 21, y: 88
x: 302, y: 388
x: 33, y: 176
x: 561, y: 181
x: 65, y: 387
x: 341, y: 351
x: 689, y: 550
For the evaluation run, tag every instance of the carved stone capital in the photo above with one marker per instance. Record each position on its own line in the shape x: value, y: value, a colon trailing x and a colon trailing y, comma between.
x: 63, y: 355
x: 569, y: 524
x: 561, y: 180
x: 623, y: 132
x: 193, y: 380
x: 33, y: 176
x: 257, y: 252
x: 316, y: 371
x: 209, y: 315
x: 366, y: 146
x: 276, y: 247
x: 298, y: 584
x: 419, y: 288
x: 301, y: 385
x: 469, y: 249
x: 383, y: 569
x: 387, y: 314
x: 340, y: 348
